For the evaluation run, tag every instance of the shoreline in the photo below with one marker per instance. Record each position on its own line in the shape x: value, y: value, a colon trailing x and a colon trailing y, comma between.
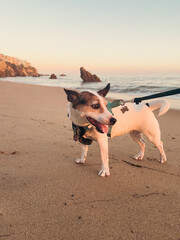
x: 45, y: 195
x: 174, y: 102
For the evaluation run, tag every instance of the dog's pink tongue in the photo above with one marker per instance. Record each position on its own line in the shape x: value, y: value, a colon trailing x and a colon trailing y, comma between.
x: 104, y: 128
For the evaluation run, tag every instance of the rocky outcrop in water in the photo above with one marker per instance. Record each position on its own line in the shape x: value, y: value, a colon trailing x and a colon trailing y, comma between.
x: 88, y: 77
x: 53, y: 76
x: 13, y: 67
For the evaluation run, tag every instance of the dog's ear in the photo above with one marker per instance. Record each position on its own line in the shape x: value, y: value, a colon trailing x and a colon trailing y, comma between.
x: 72, y: 96
x: 104, y: 91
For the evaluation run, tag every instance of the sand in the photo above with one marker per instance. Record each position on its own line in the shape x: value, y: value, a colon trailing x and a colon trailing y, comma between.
x: 45, y: 195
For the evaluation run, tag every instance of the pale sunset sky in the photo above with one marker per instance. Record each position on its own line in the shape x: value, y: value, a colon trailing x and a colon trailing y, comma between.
x: 104, y: 36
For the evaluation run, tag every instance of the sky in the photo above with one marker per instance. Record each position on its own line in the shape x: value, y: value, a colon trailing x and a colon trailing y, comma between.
x: 103, y: 36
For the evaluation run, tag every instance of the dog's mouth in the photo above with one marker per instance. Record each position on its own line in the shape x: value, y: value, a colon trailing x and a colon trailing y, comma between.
x: 102, y: 128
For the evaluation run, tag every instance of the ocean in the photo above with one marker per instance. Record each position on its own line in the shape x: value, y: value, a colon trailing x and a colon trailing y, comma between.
x: 123, y: 86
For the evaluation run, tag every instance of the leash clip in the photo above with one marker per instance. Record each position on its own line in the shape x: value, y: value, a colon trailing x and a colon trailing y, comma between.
x: 128, y: 101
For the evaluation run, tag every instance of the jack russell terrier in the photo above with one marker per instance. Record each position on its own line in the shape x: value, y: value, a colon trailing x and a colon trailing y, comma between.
x: 91, y: 118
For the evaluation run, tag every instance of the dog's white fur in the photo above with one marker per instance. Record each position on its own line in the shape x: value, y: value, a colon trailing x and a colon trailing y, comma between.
x: 138, y: 120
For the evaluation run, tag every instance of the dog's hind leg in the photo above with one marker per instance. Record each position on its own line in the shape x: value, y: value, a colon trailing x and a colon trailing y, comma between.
x: 159, y: 144
x: 83, y: 157
x: 154, y: 135
x: 137, y: 137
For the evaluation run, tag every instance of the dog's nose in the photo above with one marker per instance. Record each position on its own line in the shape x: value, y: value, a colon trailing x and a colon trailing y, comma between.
x: 112, y: 121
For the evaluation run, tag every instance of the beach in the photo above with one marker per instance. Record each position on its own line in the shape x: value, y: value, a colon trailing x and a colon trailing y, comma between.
x: 44, y: 195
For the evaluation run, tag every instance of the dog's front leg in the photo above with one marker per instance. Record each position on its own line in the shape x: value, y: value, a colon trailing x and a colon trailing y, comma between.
x: 83, y: 154
x: 103, y: 145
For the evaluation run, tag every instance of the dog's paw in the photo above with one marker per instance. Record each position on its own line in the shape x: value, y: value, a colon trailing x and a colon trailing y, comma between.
x: 138, y: 156
x: 80, y: 161
x: 104, y: 172
x: 162, y: 160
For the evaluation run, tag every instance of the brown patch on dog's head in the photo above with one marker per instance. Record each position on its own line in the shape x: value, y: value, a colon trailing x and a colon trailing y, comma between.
x: 87, y: 101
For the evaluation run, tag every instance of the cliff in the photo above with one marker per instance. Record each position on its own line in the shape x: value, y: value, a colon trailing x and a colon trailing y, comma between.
x: 88, y: 77
x: 13, y: 67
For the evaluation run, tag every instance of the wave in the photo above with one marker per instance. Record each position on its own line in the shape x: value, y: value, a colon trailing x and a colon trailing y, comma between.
x: 135, y: 85
x: 141, y: 88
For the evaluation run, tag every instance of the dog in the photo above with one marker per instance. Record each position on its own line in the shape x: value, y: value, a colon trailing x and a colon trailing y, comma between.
x: 89, y: 109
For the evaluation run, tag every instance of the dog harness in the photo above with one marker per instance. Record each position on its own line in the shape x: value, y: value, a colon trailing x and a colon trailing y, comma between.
x: 79, y: 131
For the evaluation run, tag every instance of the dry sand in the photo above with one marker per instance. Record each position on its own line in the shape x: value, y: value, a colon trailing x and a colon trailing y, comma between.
x: 45, y: 195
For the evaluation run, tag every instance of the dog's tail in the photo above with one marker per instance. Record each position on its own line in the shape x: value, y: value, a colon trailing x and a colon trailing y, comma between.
x: 162, y: 104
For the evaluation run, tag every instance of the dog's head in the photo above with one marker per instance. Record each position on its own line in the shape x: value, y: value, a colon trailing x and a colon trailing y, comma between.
x: 93, y: 106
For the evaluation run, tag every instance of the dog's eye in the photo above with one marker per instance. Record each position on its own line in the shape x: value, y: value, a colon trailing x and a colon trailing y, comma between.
x: 95, y: 106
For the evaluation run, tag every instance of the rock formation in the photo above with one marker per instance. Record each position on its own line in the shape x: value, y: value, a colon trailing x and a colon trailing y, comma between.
x: 88, y: 77
x: 62, y: 75
x: 12, y: 67
x: 53, y: 76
